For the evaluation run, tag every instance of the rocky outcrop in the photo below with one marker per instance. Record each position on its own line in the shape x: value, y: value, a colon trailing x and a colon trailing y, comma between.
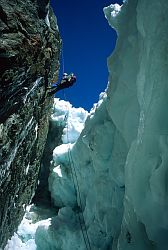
x: 29, y: 59
x: 42, y: 196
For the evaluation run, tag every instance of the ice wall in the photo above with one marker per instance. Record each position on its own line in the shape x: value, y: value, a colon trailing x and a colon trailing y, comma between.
x: 138, y: 108
x: 121, y: 156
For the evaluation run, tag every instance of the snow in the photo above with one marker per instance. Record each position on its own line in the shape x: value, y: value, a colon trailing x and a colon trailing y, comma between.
x: 63, y: 111
x: 111, y: 170
x: 73, y: 120
x: 47, y: 21
x: 25, y: 237
x: 34, y: 86
x: 27, y: 168
x: 16, y: 244
x: 112, y: 13
x: 57, y: 170
x: 115, y: 9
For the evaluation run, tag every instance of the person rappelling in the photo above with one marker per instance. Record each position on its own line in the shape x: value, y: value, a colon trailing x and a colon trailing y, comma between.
x: 66, y: 82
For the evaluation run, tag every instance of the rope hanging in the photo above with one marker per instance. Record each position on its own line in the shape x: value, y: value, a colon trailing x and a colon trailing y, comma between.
x: 78, y: 195
x: 76, y: 187
x: 74, y: 174
x: 63, y: 63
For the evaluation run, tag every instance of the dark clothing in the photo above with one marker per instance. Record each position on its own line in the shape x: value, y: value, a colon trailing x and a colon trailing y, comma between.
x: 65, y: 83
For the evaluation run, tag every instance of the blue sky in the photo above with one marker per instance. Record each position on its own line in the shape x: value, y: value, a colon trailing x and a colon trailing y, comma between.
x: 87, y: 42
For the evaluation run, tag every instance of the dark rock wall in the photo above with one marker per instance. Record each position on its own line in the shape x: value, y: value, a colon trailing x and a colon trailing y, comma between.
x: 29, y: 63
x: 42, y: 196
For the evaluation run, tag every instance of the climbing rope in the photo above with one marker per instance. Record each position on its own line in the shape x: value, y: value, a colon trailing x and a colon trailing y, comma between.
x: 74, y: 174
x: 62, y: 56
x: 76, y: 187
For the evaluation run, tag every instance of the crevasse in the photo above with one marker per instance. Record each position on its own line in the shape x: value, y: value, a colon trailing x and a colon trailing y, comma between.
x: 120, y: 157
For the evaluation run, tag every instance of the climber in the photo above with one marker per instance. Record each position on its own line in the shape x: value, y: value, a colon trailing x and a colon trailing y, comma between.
x: 66, y: 82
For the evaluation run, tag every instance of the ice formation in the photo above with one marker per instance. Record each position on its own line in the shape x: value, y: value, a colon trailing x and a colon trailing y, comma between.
x: 120, y: 158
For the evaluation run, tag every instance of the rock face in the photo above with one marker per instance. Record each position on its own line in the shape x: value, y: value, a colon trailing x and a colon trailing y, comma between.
x: 29, y: 60
x: 42, y: 196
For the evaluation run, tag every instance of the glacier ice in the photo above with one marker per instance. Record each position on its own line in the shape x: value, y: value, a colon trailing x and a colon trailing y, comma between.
x: 92, y: 157
x: 120, y: 157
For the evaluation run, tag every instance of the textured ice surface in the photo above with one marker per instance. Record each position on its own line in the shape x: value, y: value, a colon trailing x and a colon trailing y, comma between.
x: 138, y: 101
x: 121, y: 156
x: 25, y: 237
x: 101, y: 186
x: 63, y: 111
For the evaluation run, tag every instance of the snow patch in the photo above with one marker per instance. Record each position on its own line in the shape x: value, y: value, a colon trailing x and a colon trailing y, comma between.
x: 111, y: 13
x: 35, y: 85
x: 71, y: 118
x: 57, y: 170
x: 47, y: 21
